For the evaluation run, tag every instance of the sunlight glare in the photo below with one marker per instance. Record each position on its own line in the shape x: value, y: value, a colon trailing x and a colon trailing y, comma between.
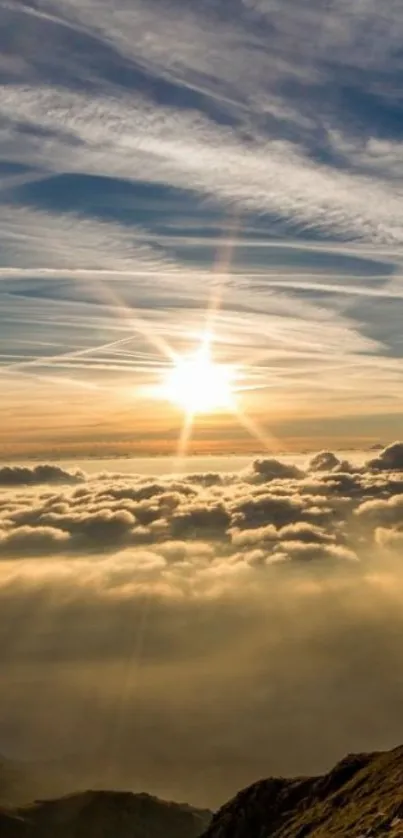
x: 199, y: 385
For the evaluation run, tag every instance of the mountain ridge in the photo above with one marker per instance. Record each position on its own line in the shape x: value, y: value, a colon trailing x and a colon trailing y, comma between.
x: 103, y: 814
x: 361, y: 796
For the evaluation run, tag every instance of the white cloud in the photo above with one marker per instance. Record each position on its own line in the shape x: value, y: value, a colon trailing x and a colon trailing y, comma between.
x: 137, y: 135
x: 194, y: 522
x: 125, y: 137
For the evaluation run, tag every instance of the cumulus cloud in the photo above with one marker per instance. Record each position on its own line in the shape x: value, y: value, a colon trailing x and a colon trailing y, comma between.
x: 324, y: 461
x: 32, y: 541
x: 265, y: 470
x: 382, y: 511
x: 30, y: 476
x: 302, y: 551
x: 390, y: 459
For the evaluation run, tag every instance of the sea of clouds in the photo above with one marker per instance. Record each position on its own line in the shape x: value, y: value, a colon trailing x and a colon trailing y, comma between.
x: 187, y: 634
x: 208, y: 524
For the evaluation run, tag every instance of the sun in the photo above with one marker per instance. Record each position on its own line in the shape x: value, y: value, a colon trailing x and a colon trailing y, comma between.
x: 199, y: 385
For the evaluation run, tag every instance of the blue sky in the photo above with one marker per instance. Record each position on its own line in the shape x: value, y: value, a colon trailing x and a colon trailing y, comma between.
x: 151, y: 152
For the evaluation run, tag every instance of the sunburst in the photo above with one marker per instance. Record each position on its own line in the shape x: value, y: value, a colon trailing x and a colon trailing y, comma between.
x: 195, y: 382
x: 198, y: 384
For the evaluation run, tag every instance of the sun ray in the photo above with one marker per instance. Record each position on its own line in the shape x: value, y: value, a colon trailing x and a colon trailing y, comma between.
x: 252, y: 426
x: 221, y: 270
x: 184, y: 439
x: 191, y: 381
x: 135, y: 322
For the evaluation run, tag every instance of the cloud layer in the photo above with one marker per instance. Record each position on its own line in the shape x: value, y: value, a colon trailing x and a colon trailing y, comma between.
x: 281, y: 510
x: 273, y: 592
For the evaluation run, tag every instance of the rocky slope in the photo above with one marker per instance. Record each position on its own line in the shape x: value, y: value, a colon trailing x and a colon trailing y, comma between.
x: 101, y: 814
x: 362, y: 797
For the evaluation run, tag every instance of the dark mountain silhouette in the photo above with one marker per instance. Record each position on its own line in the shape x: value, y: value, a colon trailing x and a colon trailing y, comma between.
x: 362, y: 797
x: 103, y: 814
x: 12, y: 826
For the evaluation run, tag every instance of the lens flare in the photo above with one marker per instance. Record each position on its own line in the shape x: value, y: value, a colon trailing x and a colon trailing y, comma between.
x: 199, y: 385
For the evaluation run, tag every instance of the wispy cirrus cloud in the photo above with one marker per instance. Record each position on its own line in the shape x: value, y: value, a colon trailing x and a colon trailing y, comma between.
x: 125, y: 137
x: 157, y: 76
x: 131, y: 140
